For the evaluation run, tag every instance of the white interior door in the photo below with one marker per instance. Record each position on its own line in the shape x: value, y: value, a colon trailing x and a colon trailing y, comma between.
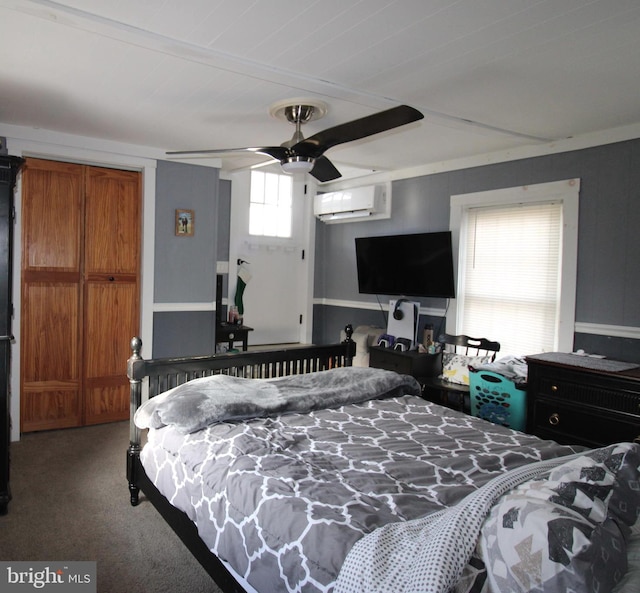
x: 273, y: 297
x: 277, y: 299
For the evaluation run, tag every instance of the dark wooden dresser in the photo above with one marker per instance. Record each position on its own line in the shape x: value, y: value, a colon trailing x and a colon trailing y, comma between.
x: 9, y: 167
x: 583, y: 400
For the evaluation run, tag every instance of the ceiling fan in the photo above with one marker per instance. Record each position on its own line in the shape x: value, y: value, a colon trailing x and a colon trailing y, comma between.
x: 300, y: 155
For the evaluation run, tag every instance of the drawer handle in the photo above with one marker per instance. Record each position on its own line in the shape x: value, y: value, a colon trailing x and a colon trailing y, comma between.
x: 554, y: 388
x: 554, y: 419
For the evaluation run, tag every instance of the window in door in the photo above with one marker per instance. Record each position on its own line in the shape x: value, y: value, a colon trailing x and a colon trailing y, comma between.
x: 270, y: 208
x: 517, y: 266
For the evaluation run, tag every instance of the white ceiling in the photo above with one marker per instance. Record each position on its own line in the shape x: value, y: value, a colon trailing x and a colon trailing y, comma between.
x: 489, y: 75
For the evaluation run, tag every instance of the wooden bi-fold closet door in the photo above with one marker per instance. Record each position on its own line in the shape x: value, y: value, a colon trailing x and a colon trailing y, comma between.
x: 81, y: 234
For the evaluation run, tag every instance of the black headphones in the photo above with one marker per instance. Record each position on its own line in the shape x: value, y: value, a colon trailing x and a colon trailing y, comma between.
x: 397, y: 312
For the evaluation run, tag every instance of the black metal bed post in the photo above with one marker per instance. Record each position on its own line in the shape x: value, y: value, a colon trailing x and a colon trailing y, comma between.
x: 135, y: 400
x: 351, y: 350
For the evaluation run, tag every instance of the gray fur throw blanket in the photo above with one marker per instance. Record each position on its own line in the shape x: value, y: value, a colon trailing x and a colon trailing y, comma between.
x: 198, y: 403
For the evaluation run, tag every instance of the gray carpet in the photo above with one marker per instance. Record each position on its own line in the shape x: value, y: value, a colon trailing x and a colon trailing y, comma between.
x: 71, y: 502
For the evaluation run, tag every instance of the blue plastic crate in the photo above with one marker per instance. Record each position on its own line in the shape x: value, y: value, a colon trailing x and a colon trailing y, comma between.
x: 497, y: 399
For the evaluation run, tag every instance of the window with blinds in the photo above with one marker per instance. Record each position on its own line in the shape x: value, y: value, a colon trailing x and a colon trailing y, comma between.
x: 511, y: 275
x: 517, y: 266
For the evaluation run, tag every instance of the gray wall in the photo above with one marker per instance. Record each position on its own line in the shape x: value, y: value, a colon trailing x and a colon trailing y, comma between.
x: 224, y: 219
x: 608, y: 283
x: 185, y: 266
x: 224, y: 228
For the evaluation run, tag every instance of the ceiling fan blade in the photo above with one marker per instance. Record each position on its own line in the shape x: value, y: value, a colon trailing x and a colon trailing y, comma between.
x: 316, y: 145
x: 277, y: 152
x: 323, y: 170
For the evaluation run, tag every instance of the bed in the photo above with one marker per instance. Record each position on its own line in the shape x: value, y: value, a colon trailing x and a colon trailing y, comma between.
x: 291, y: 470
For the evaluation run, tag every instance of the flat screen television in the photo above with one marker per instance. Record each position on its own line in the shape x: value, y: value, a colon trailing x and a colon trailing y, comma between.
x: 419, y: 265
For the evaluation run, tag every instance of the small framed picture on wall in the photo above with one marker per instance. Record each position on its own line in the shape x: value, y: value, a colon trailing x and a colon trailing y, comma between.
x: 185, y: 223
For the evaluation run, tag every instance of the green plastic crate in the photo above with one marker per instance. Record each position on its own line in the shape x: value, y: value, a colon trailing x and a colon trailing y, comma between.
x: 497, y: 399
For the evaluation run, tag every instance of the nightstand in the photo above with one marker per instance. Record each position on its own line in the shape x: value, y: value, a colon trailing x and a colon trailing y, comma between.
x: 426, y: 368
x: 410, y: 362
x: 230, y: 333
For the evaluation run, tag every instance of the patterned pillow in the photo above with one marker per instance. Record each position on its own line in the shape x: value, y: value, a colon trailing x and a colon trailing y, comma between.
x: 455, y: 367
x: 569, y: 532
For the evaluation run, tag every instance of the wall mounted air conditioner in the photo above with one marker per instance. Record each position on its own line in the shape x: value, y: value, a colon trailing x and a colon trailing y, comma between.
x: 370, y: 202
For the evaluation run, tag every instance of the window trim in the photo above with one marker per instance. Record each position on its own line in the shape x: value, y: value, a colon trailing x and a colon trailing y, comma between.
x: 567, y: 192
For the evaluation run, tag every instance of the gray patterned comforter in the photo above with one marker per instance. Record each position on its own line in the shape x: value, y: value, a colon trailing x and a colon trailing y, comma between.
x: 284, y: 498
x: 561, y: 524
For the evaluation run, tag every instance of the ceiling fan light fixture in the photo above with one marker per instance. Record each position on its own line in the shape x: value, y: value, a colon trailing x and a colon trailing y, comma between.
x: 300, y: 155
x: 298, y: 164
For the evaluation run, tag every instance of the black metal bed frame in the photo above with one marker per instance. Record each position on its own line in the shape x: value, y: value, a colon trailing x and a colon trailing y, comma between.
x: 158, y: 375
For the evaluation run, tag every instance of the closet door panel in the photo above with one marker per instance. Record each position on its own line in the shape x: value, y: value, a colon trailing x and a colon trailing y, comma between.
x: 50, y: 347
x: 112, y: 235
x: 50, y: 359
x: 51, y: 338
x: 112, y: 262
x: 106, y: 403
x: 48, y: 407
x: 111, y: 321
x: 52, y: 210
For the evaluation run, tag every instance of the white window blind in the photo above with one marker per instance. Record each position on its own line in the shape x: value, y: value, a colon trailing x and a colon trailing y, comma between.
x: 511, y: 275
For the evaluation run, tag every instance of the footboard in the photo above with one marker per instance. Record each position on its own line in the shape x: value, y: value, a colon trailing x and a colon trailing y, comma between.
x: 165, y: 373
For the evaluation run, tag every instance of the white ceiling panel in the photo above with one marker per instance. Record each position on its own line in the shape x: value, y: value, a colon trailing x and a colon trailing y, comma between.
x: 489, y: 75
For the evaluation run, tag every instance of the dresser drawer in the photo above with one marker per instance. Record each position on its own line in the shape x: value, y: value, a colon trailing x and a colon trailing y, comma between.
x: 597, y: 392
x: 572, y: 424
